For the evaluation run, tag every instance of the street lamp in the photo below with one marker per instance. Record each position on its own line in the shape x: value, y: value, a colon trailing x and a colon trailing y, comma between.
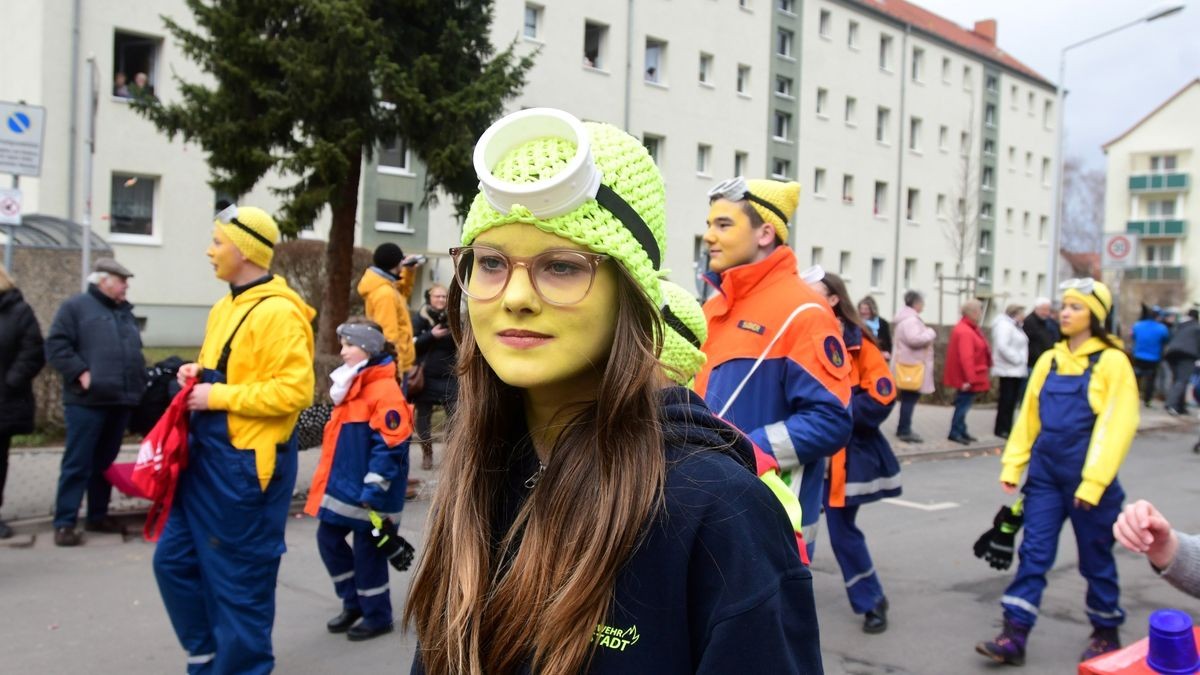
x: 1160, y: 12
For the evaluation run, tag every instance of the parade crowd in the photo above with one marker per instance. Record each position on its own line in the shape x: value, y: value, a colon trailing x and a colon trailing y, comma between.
x: 581, y: 387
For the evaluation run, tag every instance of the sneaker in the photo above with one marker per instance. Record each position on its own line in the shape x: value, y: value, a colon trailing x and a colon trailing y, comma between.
x: 1172, y: 412
x: 910, y: 438
x: 5, y: 530
x: 1102, y: 641
x: 342, y: 622
x: 106, y: 525
x: 970, y: 438
x: 67, y: 536
x: 875, y: 621
x: 362, y: 632
x: 962, y: 440
x: 1007, y: 647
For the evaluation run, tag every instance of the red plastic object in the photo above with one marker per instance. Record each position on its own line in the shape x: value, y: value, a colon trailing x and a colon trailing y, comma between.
x: 120, y: 474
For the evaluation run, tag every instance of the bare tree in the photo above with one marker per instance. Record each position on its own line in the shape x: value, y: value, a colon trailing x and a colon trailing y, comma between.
x: 1083, y: 206
x: 962, y: 229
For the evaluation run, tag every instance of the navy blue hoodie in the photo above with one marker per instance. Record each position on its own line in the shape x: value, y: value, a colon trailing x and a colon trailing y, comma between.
x: 716, y: 584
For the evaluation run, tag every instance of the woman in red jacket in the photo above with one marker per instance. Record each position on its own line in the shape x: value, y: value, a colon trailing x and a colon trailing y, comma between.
x: 968, y: 362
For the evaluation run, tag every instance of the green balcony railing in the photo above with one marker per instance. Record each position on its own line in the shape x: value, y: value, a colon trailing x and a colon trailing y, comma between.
x: 1157, y: 273
x: 1157, y: 228
x: 1159, y: 182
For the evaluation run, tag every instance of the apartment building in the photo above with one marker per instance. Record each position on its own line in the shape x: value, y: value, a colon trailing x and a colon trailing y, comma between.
x: 1147, y: 193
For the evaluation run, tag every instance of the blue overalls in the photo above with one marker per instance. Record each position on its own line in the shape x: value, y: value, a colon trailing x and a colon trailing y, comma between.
x: 1055, y: 470
x: 218, y: 558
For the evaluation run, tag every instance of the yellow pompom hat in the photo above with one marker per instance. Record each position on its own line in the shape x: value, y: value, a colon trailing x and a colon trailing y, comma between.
x: 252, y: 230
x: 1094, y: 294
x: 686, y: 332
x: 774, y: 201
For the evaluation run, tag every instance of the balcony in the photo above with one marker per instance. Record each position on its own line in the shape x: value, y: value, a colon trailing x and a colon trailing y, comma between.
x: 1157, y: 228
x: 1159, y: 182
x: 1156, y: 273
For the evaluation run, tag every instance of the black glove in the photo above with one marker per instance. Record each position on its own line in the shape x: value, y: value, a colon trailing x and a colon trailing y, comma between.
x: 997, y: 544
x: 394, y: 547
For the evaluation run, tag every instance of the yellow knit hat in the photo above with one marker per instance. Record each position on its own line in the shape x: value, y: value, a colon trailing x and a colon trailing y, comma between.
x: 1098, y: 301
x: 686, y: 332
x: 783, y: 196
x: 252, y: 230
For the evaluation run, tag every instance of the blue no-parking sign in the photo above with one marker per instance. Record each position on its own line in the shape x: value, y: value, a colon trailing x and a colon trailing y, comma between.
x: 22, y: 129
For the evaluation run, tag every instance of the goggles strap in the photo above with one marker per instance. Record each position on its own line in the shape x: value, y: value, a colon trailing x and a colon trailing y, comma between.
x: 266, y: 242
x: 674, y: 323
x: 617, y: 206
x: 767, y: 205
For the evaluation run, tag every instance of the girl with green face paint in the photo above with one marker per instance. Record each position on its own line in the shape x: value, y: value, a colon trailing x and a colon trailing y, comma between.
x: 569, y: 445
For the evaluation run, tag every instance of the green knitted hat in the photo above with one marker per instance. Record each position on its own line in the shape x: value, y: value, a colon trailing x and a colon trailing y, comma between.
x: 626, y: 168
x: 686, y: 332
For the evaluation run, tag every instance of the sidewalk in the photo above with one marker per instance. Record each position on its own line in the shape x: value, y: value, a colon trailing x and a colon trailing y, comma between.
x: 33, y: 472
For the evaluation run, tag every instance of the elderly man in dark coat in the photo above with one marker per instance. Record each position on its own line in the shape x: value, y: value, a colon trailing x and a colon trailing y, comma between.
x: 20, y: 360
x: 94, y: 343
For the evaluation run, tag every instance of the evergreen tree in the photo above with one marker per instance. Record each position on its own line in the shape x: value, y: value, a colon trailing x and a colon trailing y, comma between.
x: 306, y: 87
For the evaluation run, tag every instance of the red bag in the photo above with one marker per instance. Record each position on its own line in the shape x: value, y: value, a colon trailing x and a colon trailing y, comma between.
x: 161, y: 457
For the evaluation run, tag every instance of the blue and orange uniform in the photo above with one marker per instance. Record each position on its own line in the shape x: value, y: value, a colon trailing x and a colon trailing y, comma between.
x: 864, y: 471
x: 796, y: 403
x: 364, y: 465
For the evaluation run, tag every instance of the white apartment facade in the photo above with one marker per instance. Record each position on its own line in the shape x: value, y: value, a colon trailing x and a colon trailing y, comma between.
x: 1151, y: 168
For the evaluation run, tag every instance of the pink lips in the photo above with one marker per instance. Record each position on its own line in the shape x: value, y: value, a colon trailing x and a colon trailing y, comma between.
x: 522, y: 339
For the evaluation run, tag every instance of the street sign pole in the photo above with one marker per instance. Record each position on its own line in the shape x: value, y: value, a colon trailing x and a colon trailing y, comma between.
x: 12, y: 233
x: 86, y: 221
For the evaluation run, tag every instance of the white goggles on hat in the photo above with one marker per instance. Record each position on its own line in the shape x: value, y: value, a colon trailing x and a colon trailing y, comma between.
x: 736, y: 190
x: 1085, y: 285
x: 813, y: 274
x: 581, y: 180
x: 229, y: 216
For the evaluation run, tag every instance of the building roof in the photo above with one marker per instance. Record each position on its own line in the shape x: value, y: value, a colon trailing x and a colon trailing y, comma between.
x: 945, y: 29
x: 1152, y: 113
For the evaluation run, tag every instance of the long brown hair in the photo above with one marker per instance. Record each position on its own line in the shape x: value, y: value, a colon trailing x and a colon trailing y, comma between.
x: 845, y: 309
x: 603, y: 483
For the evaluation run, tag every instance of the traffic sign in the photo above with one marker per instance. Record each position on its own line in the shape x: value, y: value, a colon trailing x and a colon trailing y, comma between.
x: 10, y: 206
x: 1120, y: 251
x: 22, y: 130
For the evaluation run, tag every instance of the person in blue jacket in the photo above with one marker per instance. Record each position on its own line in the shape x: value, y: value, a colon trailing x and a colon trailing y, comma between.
x: 591, y: 518
x: 865, y: 470
x: 363, y: 469
x: 1150, y: 337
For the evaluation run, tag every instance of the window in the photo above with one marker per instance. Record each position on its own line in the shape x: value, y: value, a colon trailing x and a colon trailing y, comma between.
x: 989, y: 115
x: 938, y: 268
x: 595, y: 45
x: 781, y: 168
x: 395, y: 158
x: 918, y: 64
x: 985, y: 241
x: 654, y: 146
x: 885, y: 52
x: 851, y: 104
x: 1046, y: 171
x: 847, y: 189
x: 1161, y: 255
x: 852, y: 35
x: 985, y: 274
x: 817, y: 251
x: 1043, y: 227
x: 744, y: 4
x: 1024, y: 278
x: 985, y: 210
x: 910, y: 272
x: 823, y: 22
x: 844, y: 264
x: 1013, y: 98
x: 1025, y: 222
x: 783, y: 43
x: 1030, y: 101
x: 882, y: 120
x: 943, y: 137
x: 989, y: 178
x: 703, y: 159
x: 1160, y: 208
x: 967, y: 84
x: 135, y: 58
x: 876, y: 273
x: 1012, y: 157
x: 743, y: 78
x: 1028, y: 163
x: 392, y: 216
x: 533, y: 21
x: 1047, y: 113
x: 941, y: 205
x: 819, y: 181
x: 1007, y: 276
x: 1008, y: 219
x: 914, y: 133
x: 964, y: 143
x: 131, y: 205
x: 788, y: 6
x: 706, y: 64
x: 990, y: 83
x: 656, y: 60
x: 880, y: 203
x: 783, y: 125
x: 946, y: 69
x: 960, y: 209
x: 1162, y: 163
x: 822, y: 102
x: 783, y: 86
x: 739, y: 163
x: 1041, y: 282
x: 989, y: 146
x: 912, y: 205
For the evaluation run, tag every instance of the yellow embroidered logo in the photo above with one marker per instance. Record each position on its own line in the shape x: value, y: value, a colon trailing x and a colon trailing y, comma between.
x: 615, y: 638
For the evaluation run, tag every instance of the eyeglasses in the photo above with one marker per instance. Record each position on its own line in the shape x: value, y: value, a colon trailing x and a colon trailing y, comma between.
x: 228, y: 216
x: 559, y: 276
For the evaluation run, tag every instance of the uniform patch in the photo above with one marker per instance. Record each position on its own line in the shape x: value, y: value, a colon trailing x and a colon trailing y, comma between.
x: 751, y: 326
x: 883, y: 386
x: 833, y: 352
x: 392, y: 420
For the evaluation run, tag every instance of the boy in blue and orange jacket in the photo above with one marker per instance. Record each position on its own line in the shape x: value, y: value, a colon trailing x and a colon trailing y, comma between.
x: 363, y: 472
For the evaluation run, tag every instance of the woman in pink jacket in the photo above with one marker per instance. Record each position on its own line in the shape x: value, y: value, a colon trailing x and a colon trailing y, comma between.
x: 968, y: 363
x: 912, y: 344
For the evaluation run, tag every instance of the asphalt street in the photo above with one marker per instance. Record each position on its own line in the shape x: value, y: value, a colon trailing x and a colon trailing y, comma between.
x: 96, y: 608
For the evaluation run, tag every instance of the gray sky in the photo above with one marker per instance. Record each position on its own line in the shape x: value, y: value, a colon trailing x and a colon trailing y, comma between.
x: 1112, y: 82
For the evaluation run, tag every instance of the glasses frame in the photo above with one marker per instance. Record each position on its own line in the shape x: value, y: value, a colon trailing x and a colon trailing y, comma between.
x: 457, y: 253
